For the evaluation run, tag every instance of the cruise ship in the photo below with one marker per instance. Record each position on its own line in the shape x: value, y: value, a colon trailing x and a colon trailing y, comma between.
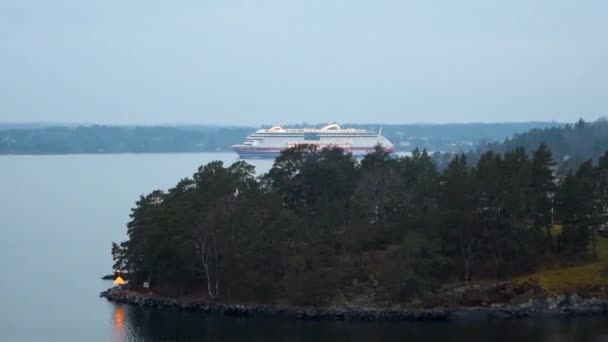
x: 268, y: 143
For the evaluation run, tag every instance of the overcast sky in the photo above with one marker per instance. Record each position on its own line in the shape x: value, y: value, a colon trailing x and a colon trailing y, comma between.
x: 263, y: 62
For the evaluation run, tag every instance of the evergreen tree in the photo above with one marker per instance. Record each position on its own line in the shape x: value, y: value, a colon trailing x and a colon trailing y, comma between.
x: 578, y: 209
x: 543, y: 188
x: 602, y: 174
x: 456, y: 207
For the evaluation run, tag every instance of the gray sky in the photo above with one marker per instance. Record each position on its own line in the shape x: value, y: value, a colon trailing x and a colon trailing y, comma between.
x: 259, y: 62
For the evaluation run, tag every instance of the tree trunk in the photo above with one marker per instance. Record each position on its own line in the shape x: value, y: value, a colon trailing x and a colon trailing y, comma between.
x: 549, y: 236
x: 466, y: 271
x: 593, y: 241
x: 203, y: 255
x: 207, y: 275
x: 465, y: 250
x: 216, y: 264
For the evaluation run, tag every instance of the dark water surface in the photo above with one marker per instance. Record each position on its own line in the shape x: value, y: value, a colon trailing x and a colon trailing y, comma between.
x: 58, y: 216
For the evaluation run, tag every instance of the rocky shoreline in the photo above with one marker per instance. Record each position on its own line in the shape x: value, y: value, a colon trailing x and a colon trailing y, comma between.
x: 570, y: 305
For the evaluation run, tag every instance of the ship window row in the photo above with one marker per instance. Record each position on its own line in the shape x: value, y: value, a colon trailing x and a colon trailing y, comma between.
x: 330, y: 133
x: 322, y: 133
x: 302, y: 135
x: 303, y: 138
x: 322, y: 144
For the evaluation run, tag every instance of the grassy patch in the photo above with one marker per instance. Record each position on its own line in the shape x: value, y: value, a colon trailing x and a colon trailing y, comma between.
x: 561, y: 279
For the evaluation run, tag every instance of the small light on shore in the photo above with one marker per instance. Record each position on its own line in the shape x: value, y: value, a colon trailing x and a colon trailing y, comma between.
x: 117, y: 278
x: 119, y: 281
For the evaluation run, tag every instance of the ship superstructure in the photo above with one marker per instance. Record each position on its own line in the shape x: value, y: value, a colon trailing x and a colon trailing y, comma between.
x: 268, y: 143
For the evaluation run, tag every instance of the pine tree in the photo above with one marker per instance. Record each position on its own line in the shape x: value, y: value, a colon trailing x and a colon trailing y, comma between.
x: 456, y: 208
x: 602, y: 174
x: 578, y: 209
x: 543, y: 188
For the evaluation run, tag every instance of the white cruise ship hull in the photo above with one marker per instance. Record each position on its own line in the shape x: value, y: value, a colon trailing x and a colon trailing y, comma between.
x: 268, y: 143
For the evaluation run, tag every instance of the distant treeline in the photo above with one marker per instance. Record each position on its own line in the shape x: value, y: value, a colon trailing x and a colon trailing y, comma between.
x: 117, y: 139
x: 322, y: 228
x: 67, y: 139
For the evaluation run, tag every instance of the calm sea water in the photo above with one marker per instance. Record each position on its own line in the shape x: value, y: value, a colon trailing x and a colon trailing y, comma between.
x: 58, y: 217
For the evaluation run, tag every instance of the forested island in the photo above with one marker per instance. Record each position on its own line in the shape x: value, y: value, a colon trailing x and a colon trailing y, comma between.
x: 322, y: 229
x: 571, y: 145
x: 74, y: 139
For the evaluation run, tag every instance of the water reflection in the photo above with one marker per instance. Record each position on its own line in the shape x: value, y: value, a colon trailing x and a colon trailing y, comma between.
x: 142, y: 324
x: 119, y: 317
x: 118, y: 323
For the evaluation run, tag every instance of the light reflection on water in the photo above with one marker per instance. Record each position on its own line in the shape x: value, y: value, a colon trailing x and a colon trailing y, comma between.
x: 118, y: 322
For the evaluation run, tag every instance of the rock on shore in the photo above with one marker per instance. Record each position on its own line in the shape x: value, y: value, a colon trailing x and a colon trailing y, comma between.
x: 560, y: 306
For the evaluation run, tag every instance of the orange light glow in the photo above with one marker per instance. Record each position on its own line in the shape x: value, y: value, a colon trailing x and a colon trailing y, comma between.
x: 118, y: 321
x: 119, y: 317
x: 119, y: 281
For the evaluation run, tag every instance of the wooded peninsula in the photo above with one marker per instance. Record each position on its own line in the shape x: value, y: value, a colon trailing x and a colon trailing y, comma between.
x: 322, y: 228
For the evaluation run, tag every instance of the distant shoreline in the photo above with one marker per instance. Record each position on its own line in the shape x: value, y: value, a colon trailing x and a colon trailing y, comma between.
x: 542, y: 307
x: 103, y: 139
x: 115, y: 153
